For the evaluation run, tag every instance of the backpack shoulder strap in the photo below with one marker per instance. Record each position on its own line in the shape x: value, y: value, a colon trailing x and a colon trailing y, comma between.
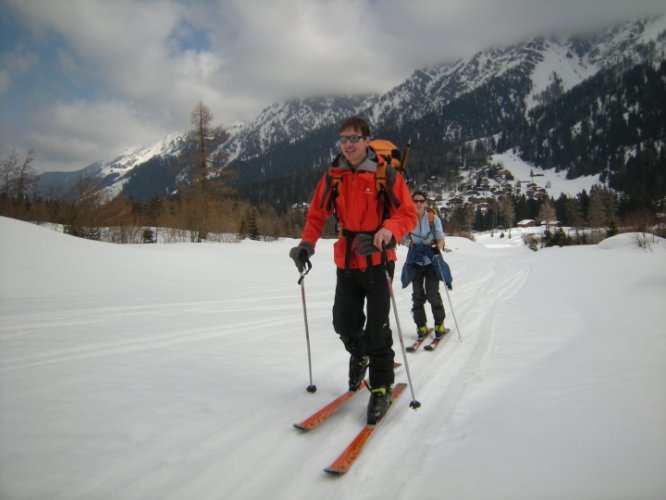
x: 332, y: 182
x: 384, y: 181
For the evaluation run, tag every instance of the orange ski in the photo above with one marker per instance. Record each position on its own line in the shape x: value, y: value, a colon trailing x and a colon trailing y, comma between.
x: 320, y: 416
x: 347, y: 458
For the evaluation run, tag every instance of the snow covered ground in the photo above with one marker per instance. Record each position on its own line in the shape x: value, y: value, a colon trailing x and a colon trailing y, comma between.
x: 176, y: 372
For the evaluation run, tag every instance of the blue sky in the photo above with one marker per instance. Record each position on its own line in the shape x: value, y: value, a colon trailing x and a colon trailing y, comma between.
x: 85, y: 80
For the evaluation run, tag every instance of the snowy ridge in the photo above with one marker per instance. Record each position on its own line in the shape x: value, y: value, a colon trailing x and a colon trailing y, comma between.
x: 572, y: 59
x: 556, y: 60
x: 171, y: 145
x: 288, y: 121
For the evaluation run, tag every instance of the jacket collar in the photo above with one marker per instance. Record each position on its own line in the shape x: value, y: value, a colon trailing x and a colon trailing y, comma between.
x: 367, y: 165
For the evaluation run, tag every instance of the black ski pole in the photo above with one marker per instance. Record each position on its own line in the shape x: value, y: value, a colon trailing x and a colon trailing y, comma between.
x: 414, y: 403
x: 311, y: 387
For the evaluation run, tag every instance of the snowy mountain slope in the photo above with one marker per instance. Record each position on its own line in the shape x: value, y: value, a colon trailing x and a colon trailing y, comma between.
x: 553, y: 181
x: 290, y: 120
x: 112, y: 175
x: 523, y: 73
x: 173, y: 371
x: 572, y: 59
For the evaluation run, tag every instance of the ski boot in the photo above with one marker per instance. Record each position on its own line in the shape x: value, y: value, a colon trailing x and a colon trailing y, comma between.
x: 357, y: 369
x: 439, y: 330
x: 380, y: 400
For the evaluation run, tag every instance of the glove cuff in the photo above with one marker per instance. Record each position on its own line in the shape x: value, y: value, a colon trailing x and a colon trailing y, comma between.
x: 309, y: 247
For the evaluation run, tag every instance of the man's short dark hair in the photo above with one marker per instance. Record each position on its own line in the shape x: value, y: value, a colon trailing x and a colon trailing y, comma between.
x: 419, y: 192
x: 357, y: 123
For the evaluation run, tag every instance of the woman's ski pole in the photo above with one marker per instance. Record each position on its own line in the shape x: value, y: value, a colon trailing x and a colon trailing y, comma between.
x: 439, y: 263
x: 446, y: 289
x: 311, y: 387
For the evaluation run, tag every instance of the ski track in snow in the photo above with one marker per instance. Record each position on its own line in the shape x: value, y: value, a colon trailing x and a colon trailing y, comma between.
x: 457, y: 362
x: 127, y: 317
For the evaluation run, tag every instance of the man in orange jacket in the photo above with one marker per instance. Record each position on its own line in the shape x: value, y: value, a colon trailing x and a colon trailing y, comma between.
x: 370, y: 226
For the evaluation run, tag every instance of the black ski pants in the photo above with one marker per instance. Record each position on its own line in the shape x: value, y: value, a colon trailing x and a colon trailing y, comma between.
x: 425, y: 286
x: 355, y: 291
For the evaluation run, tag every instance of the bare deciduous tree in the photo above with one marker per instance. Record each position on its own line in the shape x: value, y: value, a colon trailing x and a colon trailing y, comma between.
x: 596, y: 213
x: 202, y: 133
x: 17, y: 178
x: 7, y: 173
x: 205, y: 138
x: 547, y: 212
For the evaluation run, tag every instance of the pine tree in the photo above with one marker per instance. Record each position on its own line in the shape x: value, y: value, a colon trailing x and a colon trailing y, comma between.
x: 252, y: 230
x: 508, y: 213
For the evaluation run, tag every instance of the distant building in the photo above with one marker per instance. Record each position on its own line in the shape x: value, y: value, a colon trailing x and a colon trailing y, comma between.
x: 527, y: 223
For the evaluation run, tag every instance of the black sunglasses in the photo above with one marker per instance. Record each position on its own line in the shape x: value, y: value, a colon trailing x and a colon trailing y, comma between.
x: 419, y: 201
x: 350, y: 138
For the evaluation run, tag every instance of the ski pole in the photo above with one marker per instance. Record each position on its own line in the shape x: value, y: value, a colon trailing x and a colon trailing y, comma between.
x: 446, y: 289
x: 311, y: 387
x: 414, y: 403
x: 438, y: 253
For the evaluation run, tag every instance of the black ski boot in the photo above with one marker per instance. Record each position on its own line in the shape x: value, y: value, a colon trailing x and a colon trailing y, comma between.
x: 357, y: 369
x: 380, y: 400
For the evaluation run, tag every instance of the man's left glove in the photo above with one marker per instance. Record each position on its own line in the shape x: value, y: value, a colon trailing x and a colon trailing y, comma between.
x: 301, y: 255
x: 363, y: 244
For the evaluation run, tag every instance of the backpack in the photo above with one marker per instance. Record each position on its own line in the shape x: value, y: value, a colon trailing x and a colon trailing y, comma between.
x: 431, y: 219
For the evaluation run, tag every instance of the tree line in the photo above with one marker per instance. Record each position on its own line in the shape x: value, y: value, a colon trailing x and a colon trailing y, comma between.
x: 202, y: 204
x: 613, y: 123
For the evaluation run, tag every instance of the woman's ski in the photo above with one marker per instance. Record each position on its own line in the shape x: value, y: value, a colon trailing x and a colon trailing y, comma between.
x: 417, y: 343
x: 435, y: 342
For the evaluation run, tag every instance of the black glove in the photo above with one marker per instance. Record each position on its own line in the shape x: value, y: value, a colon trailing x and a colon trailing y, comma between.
x: 301, y: 255
x: 363, y: 244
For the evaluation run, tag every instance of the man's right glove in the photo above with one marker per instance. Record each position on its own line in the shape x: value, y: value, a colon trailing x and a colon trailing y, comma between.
x: 363, y: 245
x: 301, y: 255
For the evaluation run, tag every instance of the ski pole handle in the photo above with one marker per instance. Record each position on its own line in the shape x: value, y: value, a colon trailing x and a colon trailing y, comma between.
x: 306, y: 269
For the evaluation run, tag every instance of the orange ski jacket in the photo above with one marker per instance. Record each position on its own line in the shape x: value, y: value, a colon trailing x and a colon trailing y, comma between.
x: 359, y: 208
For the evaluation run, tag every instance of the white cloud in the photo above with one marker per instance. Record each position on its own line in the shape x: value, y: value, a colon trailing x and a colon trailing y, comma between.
x: 93, y: 130
x: 5, y: 81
